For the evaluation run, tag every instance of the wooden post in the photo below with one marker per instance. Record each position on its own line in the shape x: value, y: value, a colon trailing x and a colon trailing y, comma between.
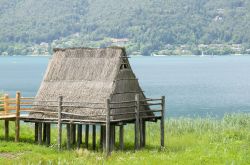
x: 59, y: 124
x: 18, y: 96
x: 94, y: 137
x: 44, y: 132
x: 104, y: 138
x: 73, y: 134
x: 36, y: 132
x: 121, y: 136
x: 108, y: 127
x: 47, y: 134
x: 6, y: 122
x: 101, y: 136
x: 40, y: 129
x: 137, y: 122
x: 79, y: 135
x: 143, y: 133
x: 162, y: 120
x: 68, y: 137
x: 112, y: 137
x: 87, y: 136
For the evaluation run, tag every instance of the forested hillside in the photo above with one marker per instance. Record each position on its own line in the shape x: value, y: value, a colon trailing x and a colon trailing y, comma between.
x: 143, y: 26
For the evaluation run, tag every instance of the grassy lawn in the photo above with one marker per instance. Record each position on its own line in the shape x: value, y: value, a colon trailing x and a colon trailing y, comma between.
x: 188, y: 141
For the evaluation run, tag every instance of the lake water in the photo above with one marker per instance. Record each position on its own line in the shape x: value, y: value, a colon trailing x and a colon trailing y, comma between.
x: 193, y: 86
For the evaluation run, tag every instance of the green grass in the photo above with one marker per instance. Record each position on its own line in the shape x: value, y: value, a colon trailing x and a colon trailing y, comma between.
x: 188, y: 141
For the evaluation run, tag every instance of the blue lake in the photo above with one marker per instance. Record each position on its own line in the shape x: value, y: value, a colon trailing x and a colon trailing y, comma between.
x: 193, y: 86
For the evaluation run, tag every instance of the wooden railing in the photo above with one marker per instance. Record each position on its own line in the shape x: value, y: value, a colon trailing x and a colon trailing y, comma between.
x: 19, y: 107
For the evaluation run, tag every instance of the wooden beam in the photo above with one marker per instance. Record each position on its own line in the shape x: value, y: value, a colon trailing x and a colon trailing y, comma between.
x: 74, y: 134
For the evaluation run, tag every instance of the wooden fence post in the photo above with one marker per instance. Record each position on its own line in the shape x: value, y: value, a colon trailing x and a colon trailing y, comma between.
x: 6, y: 121
x: 162, y: 120
x: 59, y: 125
x: 18, y: 97
x: 108, y: 127
x: 137, y: 122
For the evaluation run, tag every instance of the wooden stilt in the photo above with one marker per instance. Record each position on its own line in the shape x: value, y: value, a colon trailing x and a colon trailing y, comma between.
x: 36, y: 132
x: 79, y: 135
x: 162, y: 120
x: 68, y: 137
x: 94, y: 137
x: 6, y: 129
x: 59, y: 124
x: 143, y: 133
x: 121, y: 136
x: 112, y: 137
x: 87, y: 136
x: 48, y: 134
x: 108, y: 127
x: 101, y: 136
x: 137, y: 114
x: 40, y: 129
x: 73, y: 134
x: 104, y: 138
x: 44, y: 132
x: 18, y: 96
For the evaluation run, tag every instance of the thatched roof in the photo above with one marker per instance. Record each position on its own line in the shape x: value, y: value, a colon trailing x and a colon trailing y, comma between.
x: 89, y: 75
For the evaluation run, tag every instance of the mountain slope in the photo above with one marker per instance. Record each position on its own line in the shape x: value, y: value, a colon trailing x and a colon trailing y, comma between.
x: 149, y: 25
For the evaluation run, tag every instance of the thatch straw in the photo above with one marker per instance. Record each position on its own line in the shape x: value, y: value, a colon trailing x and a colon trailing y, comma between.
x: 88, y: 75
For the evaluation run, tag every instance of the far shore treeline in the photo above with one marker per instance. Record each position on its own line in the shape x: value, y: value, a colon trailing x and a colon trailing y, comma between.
x: 144, y: 26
